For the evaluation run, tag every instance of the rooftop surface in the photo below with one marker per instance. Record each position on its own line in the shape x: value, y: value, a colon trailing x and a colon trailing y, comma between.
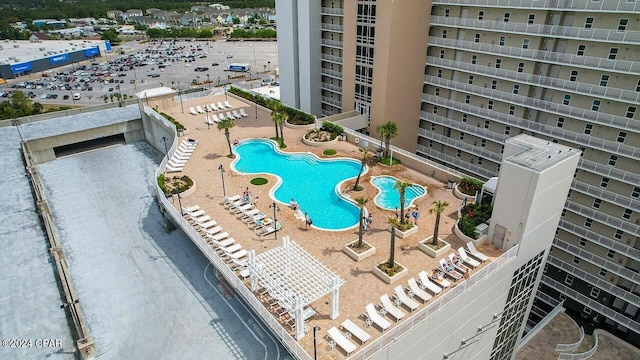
x: 23, y: 50
x: 362, y: 286
x: 538, y: 154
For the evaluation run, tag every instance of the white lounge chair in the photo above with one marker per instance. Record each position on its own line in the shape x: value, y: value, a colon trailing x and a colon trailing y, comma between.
x: 242, y: 113
x: 196, y: 213
x: 235, y: 113
x: 222, y: 243
x: 207, y: 120
x: 227, y: 104
x: 191, y: 209
x: 220, y: 236
x: 249, y: 214
x: 356, y: 331
x: 439, y: 281
x: 231, y: 248
x: 466, y: 259
x: 199, y: 108
x: 193, y: 111
x: 214, y: 118
x: 341, y: 340
x: 240, y: 209
x: 449, y: 270
x: 213, y: 107
x: 208, y: 224
x: 404, y: 299
x: 200, y: 219
x: 264, y: 231
x: 171, y: 169
x: 230, y: 116
x: 185, y: 150
x: 238, y: 254
x: 177, y: 165
x: 460, y: 266
x: 475, y: 253
x: 220, y: 106
x: 189, y: 142
x: 180, y: 156
x: 415, y: 289
x: 212, y: 231
x: 206, y: 107
x: 221, y: 116
x: 230, y: 199
x: 391, y: 309
x: 376, y: 318
x: 428, y: 284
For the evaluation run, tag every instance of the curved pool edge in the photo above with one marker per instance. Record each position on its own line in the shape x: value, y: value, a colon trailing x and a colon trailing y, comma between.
x: 375, y: 198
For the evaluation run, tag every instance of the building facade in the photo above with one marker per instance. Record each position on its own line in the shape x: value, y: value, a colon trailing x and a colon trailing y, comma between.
x: 460, y: 77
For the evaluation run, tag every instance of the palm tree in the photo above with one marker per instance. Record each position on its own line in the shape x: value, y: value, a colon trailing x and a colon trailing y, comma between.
x: 365, y: 155
x: 401, y: 186
x: 279, y: 117
x: 388, y: 130
x: 361, y: 202
x: 438, y: 208
x: 226, y: 124
x: 392, y: 250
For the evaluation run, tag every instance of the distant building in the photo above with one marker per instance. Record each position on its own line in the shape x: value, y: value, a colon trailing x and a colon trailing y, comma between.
x: 49, y: 22
x: 113, y: 14
x: 130, y: 13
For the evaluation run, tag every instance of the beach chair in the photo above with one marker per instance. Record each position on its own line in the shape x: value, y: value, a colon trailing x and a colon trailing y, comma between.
x: 248, y: 214
x: 475, y: 253
x: 466, y: 259
x: 230, y: 116
x: 213, y: 107
x: 230, y: 199
x: 231, y: 248
x: 374, y: 318
x: 220, y: 106
x: 191, y: 209
x: 355, y: 331
x: 460, y: 266
x: 238, y: 255
x: 341, y: 340
x: 227, y: 104
x: 449, y: 270
x: 260, y: 225
x: 199, y: 108
x: 212, y: 231
x: 214, y: 118
x: 183, y: 153
x: 200, y: 219
x: 176, y: 164
x: 419, y: 293
x: 207, y: 225
x: 180, y: 156
x: 241, y: 208
x: 193, y: 111
x: 235, y: 113
x: 391, y: 309
x: 206, y: 107
x: 170, y: 169
x: 431, y: 284
x: 220, y: 236
x: 207, y: 120
x: 404, y: 299
x: 222, y: 243
x: 242, y: 113
x: 221, y: 116
x: 196, y: 213
x: 185, y: 150
x: 264, y: 231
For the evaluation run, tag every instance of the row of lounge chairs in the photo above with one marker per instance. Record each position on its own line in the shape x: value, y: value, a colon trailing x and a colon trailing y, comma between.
x: 256, y: 220
x: 459, y: 264
x: 179, y: 159
x: 210, y: 119
x: 213, y: 107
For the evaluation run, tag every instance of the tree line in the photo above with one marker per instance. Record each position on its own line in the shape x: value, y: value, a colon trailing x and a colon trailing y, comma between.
x: 20, y: 105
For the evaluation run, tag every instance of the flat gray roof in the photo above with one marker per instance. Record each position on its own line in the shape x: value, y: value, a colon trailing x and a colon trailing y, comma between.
x: 539, y: 154
x: 29, y: 300
x: 79, y: 122
x: 18, y: 51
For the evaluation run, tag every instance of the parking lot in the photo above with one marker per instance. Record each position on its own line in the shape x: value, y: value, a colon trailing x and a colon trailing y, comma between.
x: 144, y: 65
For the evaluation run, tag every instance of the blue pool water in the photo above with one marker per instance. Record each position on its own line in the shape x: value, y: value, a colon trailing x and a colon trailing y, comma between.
x: 304, y: 177
x: 388, y: 197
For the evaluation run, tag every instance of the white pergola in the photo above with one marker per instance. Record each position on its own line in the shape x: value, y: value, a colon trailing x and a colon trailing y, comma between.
x: 295, y: 278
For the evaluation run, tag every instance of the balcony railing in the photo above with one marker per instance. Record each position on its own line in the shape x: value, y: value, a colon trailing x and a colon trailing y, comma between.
x: 603, y: 241
x: 332, y: 43
x: 588, y: 62
x: 543, y: 129
x: 567, y: 32
x: 454, y: 161
x: 592, y: 304
x: 631, y: 178
x: 333, y: 102
x: 610, y: 196
x: 612, y: 221
x: 460, y: 145
x: 564, y: 5
x: 331, y: 27
x: 464, y: 127
x: 605, y: 92
x: 331, y: 87
x: 539, y: 104
x: 331, y: 11
x: 332, y: 58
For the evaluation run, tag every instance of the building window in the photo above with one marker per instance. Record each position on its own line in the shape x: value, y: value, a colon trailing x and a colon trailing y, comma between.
x: 532, y: 18
x: 603, y: 272
x: 604, y: 182
x: 574, y: 75
x: 622, y: 25
x: 613, y: 53
x: 490, y: 105
x: 494, y: 84
x: 636, y: 192
x: 507, y: 130
x: 467, y: 99
x: 512, y: 110
x: 483, y: 143
x: 486, y: 124
x: 498, y: 63
x: 588, y: 23
x: 588, y: 128
x: 516, y: 88
x: 525, y: 43
x: 638, y: 86
x: 474, y: 59
x: 480, y: 15
x: 479, y: 161
x: 581, y: 49
x: 576, y: 260
x: 430, y: 143
x: 476, y: 38
x: 631, y: 112
x: 568, y: 279
x: 437, y: 91
x: 433, y: 127
x: 470, y: 79
x: 596, y: 203
x: 567, y: 99
x: 464, y: 118
x: 461, y: 136
x: 586, y: 310
x: 441, y: 54
x: 611, y: 254
x: 595, y: 106
x: 459, y: 153
x: 435, y: 109
x: 439, y: 73
x: 595, y: 292
x: 447, y: 12
x: 613, y: 159
x: 562, y: 297
x: 604, y: 80
x: 582, y: 150
x: 626, y: 214
x: 502, y: 40
x: 583, y: 242
x: 560, y: 122
x: 520, y: 67
x: 588, y: 223
x: 621, y: 136
x: 506, y: 17
x: 444, y: 34
x: 618, y: 234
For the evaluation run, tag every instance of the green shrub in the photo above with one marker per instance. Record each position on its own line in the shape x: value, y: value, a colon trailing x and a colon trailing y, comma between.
x: 332, y: 128
x: 329, y: 152
x: 258, y: 181
x: 162, y: 183
x: 294, y: 116
x: 472, y: 216
x: 173, y: 121
x: 387, y: 161
x: 389, y: 271
x: 469, y: 186
x: 467, y: 227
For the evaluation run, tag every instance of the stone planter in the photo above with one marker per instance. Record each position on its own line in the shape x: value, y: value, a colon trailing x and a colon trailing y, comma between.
x: 422, y: 245
x: 319, y: 144
x: 304, y: 127
x: 358, y: 256
x: 465, y: 238
x: 390, y: 279
x: 457, y: 193
x: 404, y: 234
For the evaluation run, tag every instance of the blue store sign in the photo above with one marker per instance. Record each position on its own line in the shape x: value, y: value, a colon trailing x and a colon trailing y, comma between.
x: 107, y: 45
x: 91, y: 52
x: 59, y: 59
x: 20, y: 68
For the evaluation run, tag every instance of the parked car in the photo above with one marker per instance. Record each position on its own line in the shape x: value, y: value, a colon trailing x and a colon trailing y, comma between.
x: 77, y: 96
x: 66, y: 97
x: 215, y: 64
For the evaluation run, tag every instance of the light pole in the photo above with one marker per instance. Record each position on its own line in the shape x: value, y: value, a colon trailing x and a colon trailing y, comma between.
x: 225, y: 88
x: 180, y: 95
x: 209, y: 81
x: 275, y: 219
x: 119, y: 95
x: 255, y: 101
x: 164, y: 139
x: 268, y: 65
x: 177, y: 192
x: 135, y: 79
x: 221, y: 168
x: 254, y: 55
x: 315, y: 353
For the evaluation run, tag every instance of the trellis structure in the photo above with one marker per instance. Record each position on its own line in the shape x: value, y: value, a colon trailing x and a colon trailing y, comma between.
x: 295, y: 279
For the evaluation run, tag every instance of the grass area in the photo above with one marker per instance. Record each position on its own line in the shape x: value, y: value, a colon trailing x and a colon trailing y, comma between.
x: 388, y: 161
x: 259, y: 181
x: 329, y: 152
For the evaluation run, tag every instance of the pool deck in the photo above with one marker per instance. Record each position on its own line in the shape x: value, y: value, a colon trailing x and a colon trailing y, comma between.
x: 362, y: 286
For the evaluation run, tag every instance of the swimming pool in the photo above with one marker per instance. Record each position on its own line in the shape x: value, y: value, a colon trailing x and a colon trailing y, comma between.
x: 388, y: 197
x: 304, y: 177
